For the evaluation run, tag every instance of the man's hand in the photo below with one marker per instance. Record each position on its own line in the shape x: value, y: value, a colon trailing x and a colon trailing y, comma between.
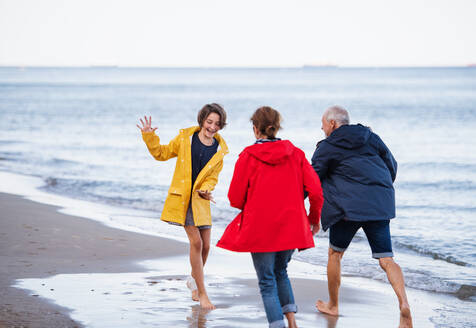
x: 315, y: 229
x: 205, y: 194
x: 147, y: 126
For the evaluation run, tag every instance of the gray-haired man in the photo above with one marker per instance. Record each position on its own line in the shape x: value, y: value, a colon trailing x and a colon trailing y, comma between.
x: 357, y: 171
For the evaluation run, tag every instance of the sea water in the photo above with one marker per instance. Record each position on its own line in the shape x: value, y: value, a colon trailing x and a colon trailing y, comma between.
x: 75, y: 128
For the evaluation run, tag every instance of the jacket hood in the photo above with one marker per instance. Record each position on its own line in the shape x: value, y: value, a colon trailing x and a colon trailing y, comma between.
x: 221, y: 142
x: 272, y: 153
x: 349, y: 136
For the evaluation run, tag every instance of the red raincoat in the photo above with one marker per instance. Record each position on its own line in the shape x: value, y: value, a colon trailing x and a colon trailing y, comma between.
x: 268, y: 187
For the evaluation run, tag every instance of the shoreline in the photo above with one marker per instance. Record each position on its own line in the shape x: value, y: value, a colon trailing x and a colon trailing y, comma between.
x: 57, y: 269
x: 38, y: 242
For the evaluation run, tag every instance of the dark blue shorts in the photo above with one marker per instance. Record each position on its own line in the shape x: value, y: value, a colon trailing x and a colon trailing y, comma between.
x: 377, y: 232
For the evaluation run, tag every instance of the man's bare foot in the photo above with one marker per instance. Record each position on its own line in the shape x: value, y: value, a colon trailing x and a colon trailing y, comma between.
x: 405, y: 317
x: 205, y: 303
x: 326, y: 308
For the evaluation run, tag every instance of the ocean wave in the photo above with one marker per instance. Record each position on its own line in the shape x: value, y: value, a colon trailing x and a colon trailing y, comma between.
x: 158, y: 86
x: 439, y: 165
x: 419, y: 274
x: 144, y: 197
x: 449, y: 185
x: 48, y: 162
x: 56, y: 85
x: 10, y: 155
x: 443, y: 208
x: 426, y: 280
x: 435, y: 255
x: 10, y: 142
x: 61, y: 161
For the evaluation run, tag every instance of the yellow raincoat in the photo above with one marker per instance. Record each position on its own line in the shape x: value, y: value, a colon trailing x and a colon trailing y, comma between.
x: 178, y: 198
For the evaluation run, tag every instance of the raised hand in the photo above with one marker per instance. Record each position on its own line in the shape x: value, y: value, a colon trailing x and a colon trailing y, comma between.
x: 147, y: 126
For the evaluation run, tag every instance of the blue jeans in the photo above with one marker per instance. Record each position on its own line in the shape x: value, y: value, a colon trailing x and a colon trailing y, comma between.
x: 274, y: 285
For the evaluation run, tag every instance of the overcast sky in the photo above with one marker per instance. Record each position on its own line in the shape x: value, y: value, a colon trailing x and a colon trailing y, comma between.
x: 237, y: 32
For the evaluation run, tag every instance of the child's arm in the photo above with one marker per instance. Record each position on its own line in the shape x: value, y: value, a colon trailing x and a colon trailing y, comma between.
x: 158, y: 151
x: 211, y: 180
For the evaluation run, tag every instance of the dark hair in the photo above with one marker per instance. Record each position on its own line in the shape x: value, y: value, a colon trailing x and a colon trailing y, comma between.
x: 212, y: 108
x: 267, y: 120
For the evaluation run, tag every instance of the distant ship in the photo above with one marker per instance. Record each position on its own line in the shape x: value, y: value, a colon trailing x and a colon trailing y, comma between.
x: 103, y: 66
x: 314, y: 66
x: 471, y: 65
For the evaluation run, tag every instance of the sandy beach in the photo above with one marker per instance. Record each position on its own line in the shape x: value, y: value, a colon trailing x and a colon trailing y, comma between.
x: 76, y: 272
x: 37, y: 242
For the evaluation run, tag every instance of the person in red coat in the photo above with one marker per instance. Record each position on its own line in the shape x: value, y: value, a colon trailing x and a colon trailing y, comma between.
x: 268, y: 186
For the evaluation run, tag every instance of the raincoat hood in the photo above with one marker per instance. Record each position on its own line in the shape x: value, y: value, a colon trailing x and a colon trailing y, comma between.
x: 272, y: 153
x: 221, y: 142
x: 273, y: 217
x: 357, y: 171
x: 349, y: 136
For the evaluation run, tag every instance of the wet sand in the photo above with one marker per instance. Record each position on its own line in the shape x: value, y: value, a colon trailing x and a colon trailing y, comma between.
x: 37, y: 242
x: 104, y: 277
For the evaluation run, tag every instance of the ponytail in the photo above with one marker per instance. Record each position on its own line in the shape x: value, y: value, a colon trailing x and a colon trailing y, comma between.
x: 267, y: 120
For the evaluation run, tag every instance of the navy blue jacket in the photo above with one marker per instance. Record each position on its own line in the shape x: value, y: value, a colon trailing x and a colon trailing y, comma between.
x: 357, y: 171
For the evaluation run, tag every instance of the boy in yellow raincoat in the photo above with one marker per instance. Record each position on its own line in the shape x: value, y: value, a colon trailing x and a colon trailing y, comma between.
x: 199, y: 151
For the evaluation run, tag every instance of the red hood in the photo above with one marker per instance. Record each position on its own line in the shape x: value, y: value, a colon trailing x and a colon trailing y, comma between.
x: 272, y: 152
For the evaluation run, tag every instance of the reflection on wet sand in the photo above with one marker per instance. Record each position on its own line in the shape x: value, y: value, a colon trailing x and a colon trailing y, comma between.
x: 198, y: 317
x: 331, y: 320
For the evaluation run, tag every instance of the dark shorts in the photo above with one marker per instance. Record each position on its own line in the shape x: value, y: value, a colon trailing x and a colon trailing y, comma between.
x: 189, y: 219
x: 377, y: 232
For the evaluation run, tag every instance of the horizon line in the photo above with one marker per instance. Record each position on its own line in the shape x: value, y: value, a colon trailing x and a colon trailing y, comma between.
x: 304, y: 66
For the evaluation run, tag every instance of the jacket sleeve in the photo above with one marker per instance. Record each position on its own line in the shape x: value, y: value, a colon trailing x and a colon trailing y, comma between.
x: 387, y: 157
x: 239, y: 183
x: 158, y: 151
x: 312, y: 186
x: 211, y: 180
x: 320, y: 161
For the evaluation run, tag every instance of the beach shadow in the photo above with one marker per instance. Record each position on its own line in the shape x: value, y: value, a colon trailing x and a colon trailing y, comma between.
x: 197, y: 319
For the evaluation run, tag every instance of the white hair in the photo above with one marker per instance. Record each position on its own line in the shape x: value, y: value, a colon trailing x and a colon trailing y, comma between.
x: 338, y: 114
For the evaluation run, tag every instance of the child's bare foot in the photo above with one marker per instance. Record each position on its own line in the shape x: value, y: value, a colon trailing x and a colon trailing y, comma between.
x: 193, y: 288
x: 326, y: 308
x: 205, y: 303
x: 405, y: 317
x: 195, y: 295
